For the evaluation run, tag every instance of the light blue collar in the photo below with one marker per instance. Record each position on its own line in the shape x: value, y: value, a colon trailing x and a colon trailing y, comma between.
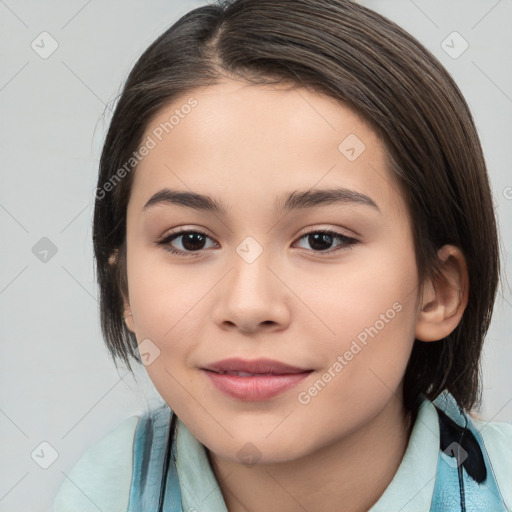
x: 412, y: 486
x: 199, y: 488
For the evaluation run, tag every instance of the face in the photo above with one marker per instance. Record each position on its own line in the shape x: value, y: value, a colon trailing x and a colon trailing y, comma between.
x: 313, y: 294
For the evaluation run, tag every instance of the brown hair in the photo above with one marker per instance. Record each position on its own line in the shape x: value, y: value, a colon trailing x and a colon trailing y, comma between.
x: 364, y: 60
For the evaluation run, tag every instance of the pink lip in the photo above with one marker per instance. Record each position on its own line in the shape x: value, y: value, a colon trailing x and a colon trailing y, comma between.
x: 269, y: 378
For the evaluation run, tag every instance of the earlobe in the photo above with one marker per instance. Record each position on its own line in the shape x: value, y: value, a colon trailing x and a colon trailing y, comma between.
x: 128, y: 317
x: 112, y: 259
x: 127, y: 313
x: 444, y: 298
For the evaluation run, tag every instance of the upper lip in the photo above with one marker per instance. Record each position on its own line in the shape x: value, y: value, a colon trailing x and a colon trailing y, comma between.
x: 256, y: 366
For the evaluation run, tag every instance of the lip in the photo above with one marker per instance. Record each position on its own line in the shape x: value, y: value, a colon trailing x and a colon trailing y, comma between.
x: 267, y: 378
x: 256, y: 366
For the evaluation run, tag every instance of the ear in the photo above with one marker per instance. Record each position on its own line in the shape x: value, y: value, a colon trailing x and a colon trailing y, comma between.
x: 127, y: 313
x: 444, y: 298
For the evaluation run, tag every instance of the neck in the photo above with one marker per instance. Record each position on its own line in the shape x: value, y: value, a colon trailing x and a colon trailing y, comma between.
x: 349, y: 475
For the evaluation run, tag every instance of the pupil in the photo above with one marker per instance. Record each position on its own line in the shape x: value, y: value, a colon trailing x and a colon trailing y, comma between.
x: 319, y: 241
x: 190, y: 244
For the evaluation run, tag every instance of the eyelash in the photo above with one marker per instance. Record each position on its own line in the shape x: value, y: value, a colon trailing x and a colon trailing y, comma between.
x: 347, y: 242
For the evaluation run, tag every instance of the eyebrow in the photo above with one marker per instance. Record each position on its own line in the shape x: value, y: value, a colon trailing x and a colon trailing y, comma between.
x: 291, y: 201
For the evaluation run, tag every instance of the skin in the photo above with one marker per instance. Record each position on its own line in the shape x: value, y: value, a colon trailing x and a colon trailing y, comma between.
x: 248, y: 145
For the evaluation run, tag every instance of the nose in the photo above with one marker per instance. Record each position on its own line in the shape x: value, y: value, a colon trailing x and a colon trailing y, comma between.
x: 252, y: 297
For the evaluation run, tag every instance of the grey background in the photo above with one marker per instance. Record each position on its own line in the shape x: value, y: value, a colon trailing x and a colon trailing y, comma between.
x: 58, y: 384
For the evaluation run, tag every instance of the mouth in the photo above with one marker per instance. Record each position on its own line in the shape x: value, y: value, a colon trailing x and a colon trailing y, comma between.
x: 255, y: 380
x: 246, y: 374
x: 254, y: 367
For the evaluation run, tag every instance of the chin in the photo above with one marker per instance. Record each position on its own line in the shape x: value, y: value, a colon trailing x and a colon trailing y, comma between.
x: 249, y: 450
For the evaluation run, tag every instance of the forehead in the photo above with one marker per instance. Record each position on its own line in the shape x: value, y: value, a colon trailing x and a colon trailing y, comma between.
x: 248, y: 142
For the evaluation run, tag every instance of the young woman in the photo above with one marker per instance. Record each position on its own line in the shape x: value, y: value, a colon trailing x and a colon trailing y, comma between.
x: 294, y: 233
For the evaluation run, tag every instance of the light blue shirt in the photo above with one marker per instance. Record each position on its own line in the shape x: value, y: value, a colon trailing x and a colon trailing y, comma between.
x: 102, y: 478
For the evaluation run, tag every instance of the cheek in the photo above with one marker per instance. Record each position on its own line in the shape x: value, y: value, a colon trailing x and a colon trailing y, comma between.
x: 162, y: 296
x: 371, y: 312
x: 168, y: 304
x: 164, y: 304
x: 374, y: 291
x: 364, y: 362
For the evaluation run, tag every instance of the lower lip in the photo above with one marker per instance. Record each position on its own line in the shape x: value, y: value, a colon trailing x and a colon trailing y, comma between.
x: 258, y: 387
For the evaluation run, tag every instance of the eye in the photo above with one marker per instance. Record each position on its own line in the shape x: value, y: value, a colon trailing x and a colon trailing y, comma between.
x: 320, y: 241
x: 191, y: 241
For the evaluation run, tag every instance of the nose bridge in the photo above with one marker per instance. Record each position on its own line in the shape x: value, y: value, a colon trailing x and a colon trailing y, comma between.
x: 251, y: 277
x: 251, y: 293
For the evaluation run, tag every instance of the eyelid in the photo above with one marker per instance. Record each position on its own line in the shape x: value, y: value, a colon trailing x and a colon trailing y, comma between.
x: 327, y: 229
x: 186, y: 229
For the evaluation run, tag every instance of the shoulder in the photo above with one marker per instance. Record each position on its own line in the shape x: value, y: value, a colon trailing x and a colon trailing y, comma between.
x: 497, y: 438
x: 101, y: 479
